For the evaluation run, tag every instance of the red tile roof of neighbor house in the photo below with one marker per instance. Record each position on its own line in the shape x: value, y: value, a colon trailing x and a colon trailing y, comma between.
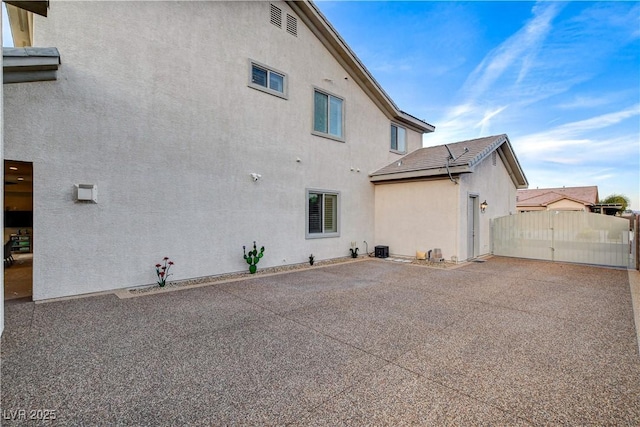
x: 545, y: 196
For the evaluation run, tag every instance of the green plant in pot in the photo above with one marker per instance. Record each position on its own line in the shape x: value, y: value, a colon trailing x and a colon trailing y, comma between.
x: 253, y: 257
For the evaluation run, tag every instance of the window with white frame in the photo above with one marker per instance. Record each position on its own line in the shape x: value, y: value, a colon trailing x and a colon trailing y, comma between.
x: 322, y: 213
x: 328, y: 115
x: 268, y: 79
x: 398, y: 139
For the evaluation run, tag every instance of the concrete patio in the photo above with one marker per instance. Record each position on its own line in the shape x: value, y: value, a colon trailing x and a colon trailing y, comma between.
x: 504, y: 342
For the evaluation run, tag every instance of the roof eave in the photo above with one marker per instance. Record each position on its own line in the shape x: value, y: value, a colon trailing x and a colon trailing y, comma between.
x: 422, y: 173
x: 329, y: 37
x: 509, y: 159
x: 22, y: 65
x: 38, y: 7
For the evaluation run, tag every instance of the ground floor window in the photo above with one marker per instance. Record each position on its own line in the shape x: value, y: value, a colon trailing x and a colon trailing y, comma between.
x: 322, y: 213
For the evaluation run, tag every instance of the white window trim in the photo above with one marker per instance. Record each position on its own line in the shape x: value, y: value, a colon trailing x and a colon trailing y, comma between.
x: 405, y: 139
x: 306, y: 214
x: 313, y: 112
x: 285, y: 83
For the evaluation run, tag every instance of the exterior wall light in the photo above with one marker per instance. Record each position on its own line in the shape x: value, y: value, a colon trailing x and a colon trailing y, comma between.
x: 483, y: 206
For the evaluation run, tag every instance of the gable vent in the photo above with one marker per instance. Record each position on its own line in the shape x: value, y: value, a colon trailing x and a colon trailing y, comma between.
x: 292, y: 25
x: 494, y: 156
x: 276, y: 16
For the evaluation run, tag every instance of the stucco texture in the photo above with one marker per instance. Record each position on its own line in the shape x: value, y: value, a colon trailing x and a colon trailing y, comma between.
x: 434, y: 213
x: 155, y: 108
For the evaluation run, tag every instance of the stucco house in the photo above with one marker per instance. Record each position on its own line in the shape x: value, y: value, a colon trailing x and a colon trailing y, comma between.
x: 558, y: 199
x: 191, y: 129
x: 445, y: 197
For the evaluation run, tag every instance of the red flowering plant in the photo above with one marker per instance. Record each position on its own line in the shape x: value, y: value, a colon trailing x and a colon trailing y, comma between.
x: 162, y: 271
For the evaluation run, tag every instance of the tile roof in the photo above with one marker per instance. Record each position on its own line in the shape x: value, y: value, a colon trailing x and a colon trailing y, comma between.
x: 436, y: 161
x: 436, y: 157
x: 545, y: 196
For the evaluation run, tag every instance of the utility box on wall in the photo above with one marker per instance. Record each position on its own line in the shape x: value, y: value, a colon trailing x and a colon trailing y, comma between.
x: 86, y: 193
x: 382, y: 252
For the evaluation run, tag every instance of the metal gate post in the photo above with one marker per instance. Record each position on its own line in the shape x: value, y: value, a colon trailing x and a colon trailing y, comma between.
x: 553, y: 235
x: 636, y: 237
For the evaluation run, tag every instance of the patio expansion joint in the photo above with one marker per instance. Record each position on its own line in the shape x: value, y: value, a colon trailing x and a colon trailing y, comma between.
x: 457, y: 391
x: 481, y: 401
x: 307, y: 326
x: 388, y: 362
x: 634, y: 285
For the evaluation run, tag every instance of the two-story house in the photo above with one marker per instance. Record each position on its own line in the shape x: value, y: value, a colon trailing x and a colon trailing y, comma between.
x: 190, y: 130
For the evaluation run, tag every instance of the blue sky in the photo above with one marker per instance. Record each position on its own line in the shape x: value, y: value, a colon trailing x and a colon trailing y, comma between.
x: 561, y: 79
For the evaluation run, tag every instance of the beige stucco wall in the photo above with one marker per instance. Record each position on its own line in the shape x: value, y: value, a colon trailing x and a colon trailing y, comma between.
x: 154, y: 108
x: 560, y: 205
x: 566, y: 205
x: 531, y: 208
x: 420, y: 215
x: 491, y: 183
x: 435, y: 213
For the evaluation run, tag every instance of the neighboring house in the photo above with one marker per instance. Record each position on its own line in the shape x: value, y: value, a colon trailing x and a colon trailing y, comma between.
x: 190, y: 129
x: 445, y: 197
x: 558, y: 199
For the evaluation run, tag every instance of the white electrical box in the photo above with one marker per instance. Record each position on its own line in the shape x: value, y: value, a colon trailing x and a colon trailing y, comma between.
x: 87, y: 193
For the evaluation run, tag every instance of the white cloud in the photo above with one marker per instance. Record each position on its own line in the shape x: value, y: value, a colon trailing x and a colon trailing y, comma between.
x: 518, y: 50
x: 485, y: 123
x: 573, y: 135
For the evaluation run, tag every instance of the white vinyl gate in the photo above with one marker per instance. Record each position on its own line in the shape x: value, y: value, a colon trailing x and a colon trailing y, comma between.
x: 580, y: 237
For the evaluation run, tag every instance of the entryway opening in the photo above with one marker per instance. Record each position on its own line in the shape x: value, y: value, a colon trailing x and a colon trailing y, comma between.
x: 18, y: 229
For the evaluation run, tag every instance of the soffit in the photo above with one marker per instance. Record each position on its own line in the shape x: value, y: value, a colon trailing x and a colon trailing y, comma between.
x: 29, y: 64
x: 38, y: 7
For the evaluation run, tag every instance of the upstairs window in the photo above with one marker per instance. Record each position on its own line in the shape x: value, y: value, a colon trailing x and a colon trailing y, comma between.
x: 398, y: 139
x: 322, y: 214
x: 268, y: 80
x: 328, y: 115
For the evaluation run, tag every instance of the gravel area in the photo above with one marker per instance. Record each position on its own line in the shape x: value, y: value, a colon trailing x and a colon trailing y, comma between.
x: 371, y: 342
x: 275, y: 270
x: 240, y: 275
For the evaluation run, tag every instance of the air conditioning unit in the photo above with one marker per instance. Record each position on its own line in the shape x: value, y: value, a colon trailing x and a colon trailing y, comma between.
x: 382, y: 252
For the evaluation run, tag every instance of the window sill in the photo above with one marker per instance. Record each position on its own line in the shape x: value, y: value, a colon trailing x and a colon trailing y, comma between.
x: 328, y: 136
x: 321, y: 235
x: 269, y: 91
x: 398, y: 152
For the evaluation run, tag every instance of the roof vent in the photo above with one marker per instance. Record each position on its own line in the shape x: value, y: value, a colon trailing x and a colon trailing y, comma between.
x: 292, y: 25
x: 276, y: 16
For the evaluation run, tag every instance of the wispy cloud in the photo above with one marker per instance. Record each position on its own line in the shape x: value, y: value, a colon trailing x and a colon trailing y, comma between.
x: 519, y: 50
x: 485, y: 123
x: 501, y: 73
x: 573, y: 134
